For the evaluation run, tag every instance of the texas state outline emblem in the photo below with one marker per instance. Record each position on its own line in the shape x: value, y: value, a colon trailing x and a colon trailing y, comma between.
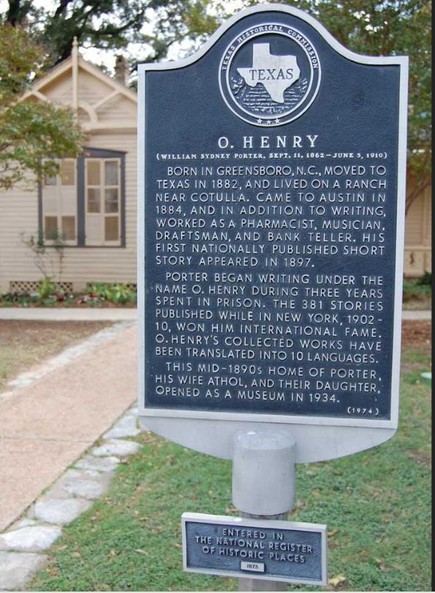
x: 269, y: 74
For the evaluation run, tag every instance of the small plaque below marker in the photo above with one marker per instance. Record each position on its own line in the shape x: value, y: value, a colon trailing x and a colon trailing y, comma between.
x: 267, y: 550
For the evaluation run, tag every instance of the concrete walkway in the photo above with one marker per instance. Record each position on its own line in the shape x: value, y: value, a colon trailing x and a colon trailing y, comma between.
x: 56, y: 411
x: 417, y: 315
x: 68, y: 313
x: 51, y: 417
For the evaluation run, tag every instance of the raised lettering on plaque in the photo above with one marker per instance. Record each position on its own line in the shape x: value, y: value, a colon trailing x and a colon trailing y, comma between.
x: 269, y: 550
x: 271, y: 209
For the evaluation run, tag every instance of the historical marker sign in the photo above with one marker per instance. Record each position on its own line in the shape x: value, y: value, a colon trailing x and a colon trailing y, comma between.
x: 268, y: 550
x: 271, y: 215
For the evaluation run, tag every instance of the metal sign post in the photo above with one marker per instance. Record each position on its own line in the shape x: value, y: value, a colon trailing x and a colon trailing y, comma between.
x: 264, y: 484
x: 271, y: 190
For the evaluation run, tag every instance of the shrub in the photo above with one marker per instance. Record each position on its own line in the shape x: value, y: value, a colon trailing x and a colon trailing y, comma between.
x: 425, y: 280
x: 114, y: 293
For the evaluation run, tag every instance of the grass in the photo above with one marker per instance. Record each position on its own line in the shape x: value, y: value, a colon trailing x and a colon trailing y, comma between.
x: 417, y: 293
x: 24, y: 343
x: 376, y: 505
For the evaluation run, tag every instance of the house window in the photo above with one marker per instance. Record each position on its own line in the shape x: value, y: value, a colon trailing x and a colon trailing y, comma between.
x: 103, y: 191
x: 83, y: 205
x: 59, y: 203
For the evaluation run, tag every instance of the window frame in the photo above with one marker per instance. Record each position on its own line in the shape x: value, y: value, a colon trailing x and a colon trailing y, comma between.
x: 101, y: 216
x: 81, y: 201
x: 60, y: 214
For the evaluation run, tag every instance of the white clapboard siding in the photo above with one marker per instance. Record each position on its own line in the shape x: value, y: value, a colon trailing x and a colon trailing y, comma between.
x: 418, y: 235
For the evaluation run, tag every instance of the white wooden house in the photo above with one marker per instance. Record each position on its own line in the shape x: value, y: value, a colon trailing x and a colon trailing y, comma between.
x: 92, y: 202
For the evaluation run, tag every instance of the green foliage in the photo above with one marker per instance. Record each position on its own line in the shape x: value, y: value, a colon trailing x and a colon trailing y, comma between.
x: 426, y: 279
x: 15, y: 73
x: 8, y: 299
x: 418, y: 291
x: 376, y: 505
x: 46, y: 287
x: 114, y: 293
x: 49, y: 294
x: 32, y: 134
x: 152, y: 25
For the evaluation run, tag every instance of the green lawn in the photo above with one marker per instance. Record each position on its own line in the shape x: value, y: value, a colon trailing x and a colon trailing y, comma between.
x: 376, y: 505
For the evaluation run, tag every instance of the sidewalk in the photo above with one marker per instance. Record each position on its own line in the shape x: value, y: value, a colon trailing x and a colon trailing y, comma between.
x: 66, y: 314
x: 53, y: 416
x: 417, y: 315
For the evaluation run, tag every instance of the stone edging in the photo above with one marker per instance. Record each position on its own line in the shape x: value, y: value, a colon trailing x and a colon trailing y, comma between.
x: 22, y: 546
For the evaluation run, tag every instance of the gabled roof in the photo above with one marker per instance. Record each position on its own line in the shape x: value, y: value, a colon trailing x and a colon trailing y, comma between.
x: 97, y: 98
